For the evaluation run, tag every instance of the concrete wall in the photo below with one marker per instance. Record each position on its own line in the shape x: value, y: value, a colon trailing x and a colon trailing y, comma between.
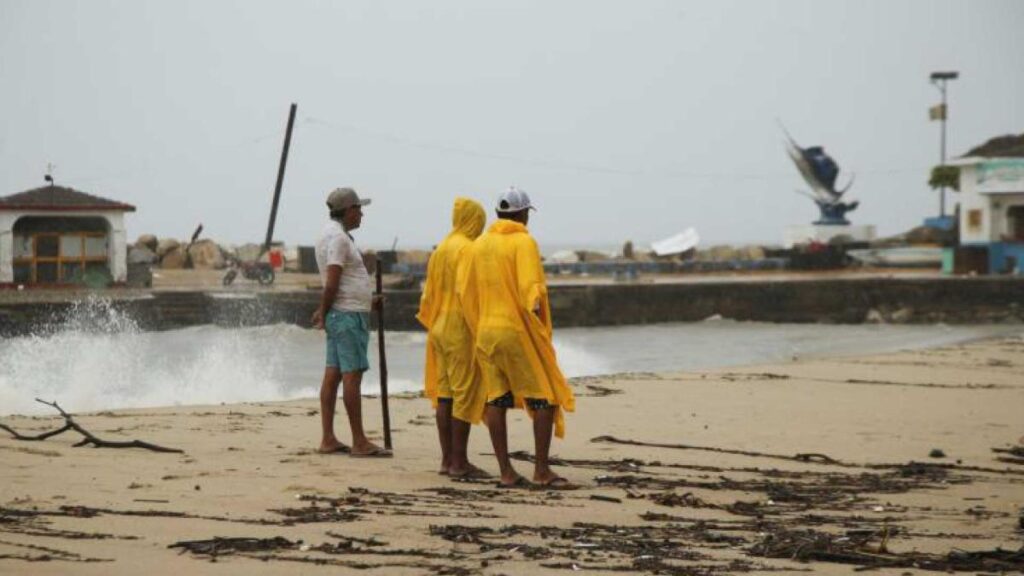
x: 117, y: 246
x: 970, y: 201
x: 807, y: 233
x: 1002, y: 224
x: 1000, y: 256
x: 7, y: 220
x: 951, y: 300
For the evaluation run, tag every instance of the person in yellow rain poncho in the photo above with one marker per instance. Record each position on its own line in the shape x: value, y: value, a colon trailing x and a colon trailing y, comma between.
x: 451, y: 376
x: 505, y: 299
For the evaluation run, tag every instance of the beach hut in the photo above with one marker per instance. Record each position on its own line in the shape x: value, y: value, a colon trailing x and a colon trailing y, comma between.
x: 992, y: 205
x: 54, y: 236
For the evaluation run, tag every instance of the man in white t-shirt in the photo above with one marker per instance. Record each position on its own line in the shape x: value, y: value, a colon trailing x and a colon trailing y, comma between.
x: 344, y: 313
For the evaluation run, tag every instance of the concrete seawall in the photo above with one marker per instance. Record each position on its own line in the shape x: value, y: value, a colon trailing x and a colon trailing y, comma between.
x: 951, y: 300
x: 847, y: 301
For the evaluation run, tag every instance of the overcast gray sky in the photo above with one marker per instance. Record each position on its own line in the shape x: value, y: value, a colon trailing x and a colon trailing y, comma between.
x: 623, y: 120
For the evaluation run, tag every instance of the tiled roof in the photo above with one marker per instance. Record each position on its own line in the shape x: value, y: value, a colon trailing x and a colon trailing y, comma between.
x: 1009, y: 146
x: 59, y: 198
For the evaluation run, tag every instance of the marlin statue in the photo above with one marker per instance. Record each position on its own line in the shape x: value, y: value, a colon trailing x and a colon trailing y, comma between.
x: 820, y: 172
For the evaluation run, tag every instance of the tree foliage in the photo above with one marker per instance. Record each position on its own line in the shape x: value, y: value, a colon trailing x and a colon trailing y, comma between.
x: 945, y: 177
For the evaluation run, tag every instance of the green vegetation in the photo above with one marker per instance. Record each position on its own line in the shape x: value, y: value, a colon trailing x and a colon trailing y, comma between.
x: 945, y: 177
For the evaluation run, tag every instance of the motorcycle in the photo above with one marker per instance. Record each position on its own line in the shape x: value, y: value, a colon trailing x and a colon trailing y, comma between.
x: 261, y: 272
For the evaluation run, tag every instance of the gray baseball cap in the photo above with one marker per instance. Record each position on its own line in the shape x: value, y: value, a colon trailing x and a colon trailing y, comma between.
x: 341, y: 198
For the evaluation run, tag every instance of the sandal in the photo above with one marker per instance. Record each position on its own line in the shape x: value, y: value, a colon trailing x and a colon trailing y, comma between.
x: 557, y: 483
x: 473, y: 473
x: 520, y: 483
x: 339, y: 449
x: 377, y: 452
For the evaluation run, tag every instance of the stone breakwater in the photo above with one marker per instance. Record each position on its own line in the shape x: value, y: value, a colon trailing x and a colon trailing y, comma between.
x: 848, y: 301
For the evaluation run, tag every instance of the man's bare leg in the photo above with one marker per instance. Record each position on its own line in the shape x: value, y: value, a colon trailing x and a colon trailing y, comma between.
x: 351, y: 384
x: 495, y: 418
x: 543, y: 424
x: 460, y: 465
x: 328, y: 401
x: 443, y: 415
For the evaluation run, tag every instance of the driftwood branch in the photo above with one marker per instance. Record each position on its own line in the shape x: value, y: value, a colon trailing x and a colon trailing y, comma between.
x: 816, y: 458
x: 1014, y: 454
x: 803, y: 457
x: 19, y: 436
x: 88, y: 437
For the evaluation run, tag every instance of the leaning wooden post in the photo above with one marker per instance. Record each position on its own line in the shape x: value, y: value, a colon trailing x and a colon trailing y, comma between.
x: 280, y: 178
x: 383, y: 359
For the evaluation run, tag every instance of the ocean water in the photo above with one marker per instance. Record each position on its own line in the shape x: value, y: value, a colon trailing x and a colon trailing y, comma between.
x: 95, y: 358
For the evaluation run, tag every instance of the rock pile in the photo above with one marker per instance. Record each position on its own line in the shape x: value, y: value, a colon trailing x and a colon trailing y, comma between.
x: 206, y: 254
x: 169, y: 254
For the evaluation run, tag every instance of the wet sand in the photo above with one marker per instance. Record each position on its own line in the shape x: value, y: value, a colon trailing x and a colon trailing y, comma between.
x: 725, y: 489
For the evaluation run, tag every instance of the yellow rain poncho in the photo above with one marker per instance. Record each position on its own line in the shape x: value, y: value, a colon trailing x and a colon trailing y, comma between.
x: 505, y: 299
x: 450, y: 371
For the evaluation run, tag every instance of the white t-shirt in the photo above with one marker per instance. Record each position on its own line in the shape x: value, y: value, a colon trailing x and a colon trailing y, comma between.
x: 336, y: 247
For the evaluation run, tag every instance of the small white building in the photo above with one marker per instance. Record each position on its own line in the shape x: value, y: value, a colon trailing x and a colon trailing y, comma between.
x: 53, y: 236
x: 992, y: 209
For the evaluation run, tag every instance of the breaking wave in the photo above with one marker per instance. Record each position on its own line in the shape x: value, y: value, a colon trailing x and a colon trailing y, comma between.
x: 95, y: 357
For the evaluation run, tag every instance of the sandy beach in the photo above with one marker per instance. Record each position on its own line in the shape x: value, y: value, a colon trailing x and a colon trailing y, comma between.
x: 720, y: 472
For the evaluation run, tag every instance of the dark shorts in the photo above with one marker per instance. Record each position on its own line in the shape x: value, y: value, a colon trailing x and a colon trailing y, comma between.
x: 506, y: 400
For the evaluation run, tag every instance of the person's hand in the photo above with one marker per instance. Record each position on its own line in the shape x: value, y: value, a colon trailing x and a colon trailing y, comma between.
x: 317, y: 320
x: 378, y: 301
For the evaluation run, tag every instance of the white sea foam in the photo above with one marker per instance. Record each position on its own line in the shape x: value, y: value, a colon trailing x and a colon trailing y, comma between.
x: 95, y: 357
x: 575, y: 360
x: 89, y: 365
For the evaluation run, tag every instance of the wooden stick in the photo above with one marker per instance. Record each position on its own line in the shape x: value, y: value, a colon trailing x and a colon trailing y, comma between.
x: 382, y: 356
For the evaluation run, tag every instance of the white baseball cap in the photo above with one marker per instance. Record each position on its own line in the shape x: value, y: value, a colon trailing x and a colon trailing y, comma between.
x: 514, y: 200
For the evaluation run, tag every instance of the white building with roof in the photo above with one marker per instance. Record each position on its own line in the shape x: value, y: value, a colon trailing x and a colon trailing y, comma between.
x: 992, y: 203
x: 54, y: 236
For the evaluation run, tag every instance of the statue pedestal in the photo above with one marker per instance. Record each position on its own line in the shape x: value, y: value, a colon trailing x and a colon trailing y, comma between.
x: 807, y: 233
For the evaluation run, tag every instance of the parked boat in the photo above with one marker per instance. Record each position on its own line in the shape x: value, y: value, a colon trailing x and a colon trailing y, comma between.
x: 686, y: 240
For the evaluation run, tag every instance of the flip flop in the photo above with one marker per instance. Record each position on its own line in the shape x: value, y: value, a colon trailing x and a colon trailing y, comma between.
x: 377, y: 452
x: 473, y: 473
x: 339, y: 449
x: 520, y: 483
x: 557, y: 483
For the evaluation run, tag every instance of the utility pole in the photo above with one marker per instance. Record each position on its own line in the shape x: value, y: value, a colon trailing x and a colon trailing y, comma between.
x: 280, y: 178
x: 940, y: 79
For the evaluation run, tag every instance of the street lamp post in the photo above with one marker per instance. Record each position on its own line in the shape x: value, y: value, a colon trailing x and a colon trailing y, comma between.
x: 939, y: 79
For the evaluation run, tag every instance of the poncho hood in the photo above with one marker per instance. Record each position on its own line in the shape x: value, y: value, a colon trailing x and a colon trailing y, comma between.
x: 468, y: 218
x: 502, y: 226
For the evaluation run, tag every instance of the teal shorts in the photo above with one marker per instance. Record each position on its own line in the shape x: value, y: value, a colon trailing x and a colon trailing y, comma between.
x: 348, y: 335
